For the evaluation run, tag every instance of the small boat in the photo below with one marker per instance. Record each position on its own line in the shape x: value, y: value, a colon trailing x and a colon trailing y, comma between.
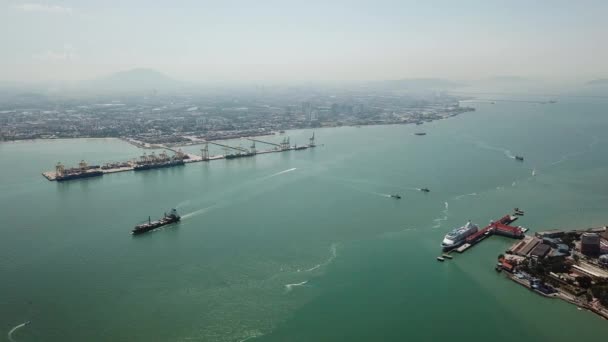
x: 520, y: 158
x: 440, y: 259
x: 396, y: 196
x: 425, y: 190
x: 447, y: 256
x: 419, y: 133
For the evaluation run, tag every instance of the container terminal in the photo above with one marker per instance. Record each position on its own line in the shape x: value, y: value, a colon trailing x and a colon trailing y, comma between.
x: 163, y: 160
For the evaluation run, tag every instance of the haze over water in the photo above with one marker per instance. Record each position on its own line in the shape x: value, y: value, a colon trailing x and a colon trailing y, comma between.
x: 303, y: 245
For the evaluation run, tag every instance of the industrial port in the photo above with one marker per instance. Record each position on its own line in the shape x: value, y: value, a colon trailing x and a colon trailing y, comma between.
x: 163, y: 160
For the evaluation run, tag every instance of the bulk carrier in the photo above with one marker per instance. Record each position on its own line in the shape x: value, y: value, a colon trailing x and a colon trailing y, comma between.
x: 165, y: 220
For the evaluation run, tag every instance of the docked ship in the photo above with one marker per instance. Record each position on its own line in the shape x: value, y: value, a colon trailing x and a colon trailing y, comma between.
x: 239, y: 155
x: 82, y: 171
x: 148, y: 226
x: 158, y: 165
x: 148, y: 162
x: 457, y: 236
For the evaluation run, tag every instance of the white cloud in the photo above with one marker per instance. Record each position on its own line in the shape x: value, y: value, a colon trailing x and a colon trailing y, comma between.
x: 67, y: 54
x: 44, y: 8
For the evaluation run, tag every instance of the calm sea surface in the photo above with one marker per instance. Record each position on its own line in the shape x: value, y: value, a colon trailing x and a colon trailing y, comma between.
x: 303, y: 245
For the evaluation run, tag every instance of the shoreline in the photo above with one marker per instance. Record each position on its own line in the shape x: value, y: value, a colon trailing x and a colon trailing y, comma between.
x: 560, y: 295
x: 144, y: 145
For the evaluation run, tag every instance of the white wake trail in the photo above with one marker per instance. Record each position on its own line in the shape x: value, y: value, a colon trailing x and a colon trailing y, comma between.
x: 15, y: 328
x: 282, y: 172
x: 197, y: 212
x: 289, y: 287
x: 440, y: 220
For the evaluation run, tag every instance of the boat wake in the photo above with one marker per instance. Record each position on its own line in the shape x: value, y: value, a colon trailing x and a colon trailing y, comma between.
x: 289, y: 287
x: 333, y: 253
x: 281, y: 172
x: 380, y: 194
x: 465, y: 195
x: 197, y: 212
x: 440, y: 220
x: 256, y: 334
x: 15, y: 328
x: 487, y: 146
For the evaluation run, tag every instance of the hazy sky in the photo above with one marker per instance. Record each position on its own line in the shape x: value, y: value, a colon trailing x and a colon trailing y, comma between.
x: 261, y: 40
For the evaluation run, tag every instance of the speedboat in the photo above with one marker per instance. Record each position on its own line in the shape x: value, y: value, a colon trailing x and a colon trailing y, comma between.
x: 520, y: 158
x: 425, y: 190
x: 396, y: 196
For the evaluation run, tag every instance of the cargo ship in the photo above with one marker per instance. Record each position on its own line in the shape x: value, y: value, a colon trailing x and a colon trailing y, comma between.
x: 82, y: 171
x: 239, y: 155
x: 158, y: 165
x: 78, y: 174
x: 165, y: 220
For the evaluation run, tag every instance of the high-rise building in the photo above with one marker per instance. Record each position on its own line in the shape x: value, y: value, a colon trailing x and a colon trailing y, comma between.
x: 590, y: 244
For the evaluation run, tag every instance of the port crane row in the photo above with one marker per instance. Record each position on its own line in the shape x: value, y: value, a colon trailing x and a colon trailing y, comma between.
x: 163, y: 160
x: 285, y: 145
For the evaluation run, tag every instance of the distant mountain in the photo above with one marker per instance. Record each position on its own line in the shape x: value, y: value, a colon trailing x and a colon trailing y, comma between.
x: 506, y: 79
x: 422, y: 83
x: 599, y: 81
x: 134, y: 80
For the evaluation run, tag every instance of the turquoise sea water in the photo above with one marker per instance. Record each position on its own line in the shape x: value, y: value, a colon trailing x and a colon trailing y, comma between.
x: 303, y: 245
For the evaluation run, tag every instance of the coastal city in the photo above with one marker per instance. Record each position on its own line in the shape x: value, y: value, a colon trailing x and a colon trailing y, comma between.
x: 571, y: 265
x: 179, y: 119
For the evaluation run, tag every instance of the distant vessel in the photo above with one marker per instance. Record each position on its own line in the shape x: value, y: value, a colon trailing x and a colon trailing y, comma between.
x: 165, y: 220
x: 425, y: 190
x: 520, y: 158
x: 457, y: 236
x: 420, y: 133
x: 396, y: 196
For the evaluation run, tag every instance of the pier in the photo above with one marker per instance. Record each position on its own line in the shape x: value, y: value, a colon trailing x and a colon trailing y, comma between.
x: 500, y: 227
x: 86, y: 171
